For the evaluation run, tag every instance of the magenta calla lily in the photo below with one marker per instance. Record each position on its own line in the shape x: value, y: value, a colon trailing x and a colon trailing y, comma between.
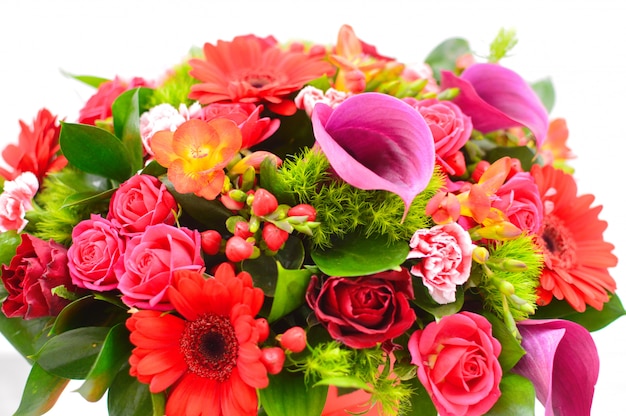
x: 562, y: 362
x: 376, y: 141
x: 498, y: 98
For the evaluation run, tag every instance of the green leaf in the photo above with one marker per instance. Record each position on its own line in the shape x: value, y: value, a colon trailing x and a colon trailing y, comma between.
x: 114, y: 353
x: 525, y: 155
x: 41, y: 392
x: 592, y: 319
x: 291, y: 256
x: 26, y: 335
x: 128, y: 397
x: 421, y: 403
x: 288, y: 394
x: 96, y: 151
x: 357, y: 255
x: 264, y: 272
x: 127, y: 109
x: 512, y: 351
x: 445, y: 55
x: 9, y: 240
x: 518, y: 397
x: 291, y: 287
x: 90, y: 80
x: 545, y: 90
x: 270, y: 179
x: 72, y: 353
x: 345, y: 382
x: 88, y: 311
x: 427, y: 303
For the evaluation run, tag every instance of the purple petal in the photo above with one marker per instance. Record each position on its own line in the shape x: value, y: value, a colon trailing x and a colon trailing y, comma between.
x: 498, y: 98
x: 562, y: 362
x: 376, y: 141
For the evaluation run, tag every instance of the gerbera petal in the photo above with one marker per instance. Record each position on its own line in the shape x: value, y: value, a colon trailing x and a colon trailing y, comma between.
x: 192, y: 396
x: 244, y: 402
x: 562, y: 362
x: 376, y: 141
x: 497, y: 98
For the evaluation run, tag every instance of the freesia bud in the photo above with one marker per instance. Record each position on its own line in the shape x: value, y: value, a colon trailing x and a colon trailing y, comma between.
x: 273, y: 359
x: 302, y: 210
x: 230, y: 203
x: 273, y: 236
x: 263, y: 203
x: 293, y: 339
x: 238, y: 249
x: 211, y: 242
x: 480, y: 255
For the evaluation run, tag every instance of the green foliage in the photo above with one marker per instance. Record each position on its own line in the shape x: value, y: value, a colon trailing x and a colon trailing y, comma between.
x: 343, y: 209
x: 504, y: 42
x: 289, y: 394
x: 445, y: 55
x: 175, y: 89
x: 545, y: 90
x: 41, y: 392
x: 68, y: 197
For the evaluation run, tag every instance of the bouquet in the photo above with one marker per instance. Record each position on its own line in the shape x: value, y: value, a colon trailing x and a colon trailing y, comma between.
x: 305, y: 229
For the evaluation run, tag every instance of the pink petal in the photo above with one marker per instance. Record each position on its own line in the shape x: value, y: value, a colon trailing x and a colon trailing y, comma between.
x: 498, y: 98
x: 562, y: 362
x: 376, y: 141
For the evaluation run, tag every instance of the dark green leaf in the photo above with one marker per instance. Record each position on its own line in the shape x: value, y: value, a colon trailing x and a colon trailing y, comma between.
x: 288, y: 394
x: 294, y: 134
x: 26, y: 336
x: 41, y: 392
x: 72, y: 353
x: 114, y: 353
x: 512, y: 351
x: 545, y: 90
x: 357, y: 255
x: 9, y: 240
x: 95, y: 150
x: 427, y: 303
x: 518, y: 397
x: 291, y: 286
x: 127, y: 109
x: 421, y: 403
x: 291, y: 256
x: 525, y: 155
x: 88, y: 311
x: 264, y: 272
x: 87, y: 198
x: 592, y: 319
x: 128, y: 397
x: 270, y: 179
x: 445, y: 55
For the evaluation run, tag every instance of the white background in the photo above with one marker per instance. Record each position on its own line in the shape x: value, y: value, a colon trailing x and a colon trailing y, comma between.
x: 579, y: 44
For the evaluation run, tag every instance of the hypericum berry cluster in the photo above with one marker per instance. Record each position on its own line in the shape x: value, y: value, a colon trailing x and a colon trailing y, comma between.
x: 261, y: 225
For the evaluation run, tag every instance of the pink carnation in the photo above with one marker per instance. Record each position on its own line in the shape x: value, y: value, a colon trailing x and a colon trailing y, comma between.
x: 16, y: 200
x: 309, y: 96
x: 445, y: 253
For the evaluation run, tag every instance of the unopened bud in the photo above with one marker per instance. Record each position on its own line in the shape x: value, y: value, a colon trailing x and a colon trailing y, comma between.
x: 480, y: 255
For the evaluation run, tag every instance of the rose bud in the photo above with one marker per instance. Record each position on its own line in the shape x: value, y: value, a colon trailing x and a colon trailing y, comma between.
x: 273, y: 359
x: 293, y: 339
x: 264, y: 203
x: 273, y: 236
x: 480, y: 168
x: 211, y: 242
x: 301, y: 210
x: 238, y: 249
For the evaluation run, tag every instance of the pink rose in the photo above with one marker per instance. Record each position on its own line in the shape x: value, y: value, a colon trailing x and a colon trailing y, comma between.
x: 450, y: 127
x: 139, y: 202
x: 96, y: 248
x: 457, y: 362
x: 519, y: 199
x: 446, y: 259
x: 16, y: 200
x: 37, y: 267
x: 98, y: 107
x: 149, y: 261
x: 363, y: 311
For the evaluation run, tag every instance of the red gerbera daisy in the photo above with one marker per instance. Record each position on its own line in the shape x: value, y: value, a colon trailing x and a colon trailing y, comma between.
x: 250, y: 69
x: 209, y: 356
x: 576, y: 257
x: 37, y: 149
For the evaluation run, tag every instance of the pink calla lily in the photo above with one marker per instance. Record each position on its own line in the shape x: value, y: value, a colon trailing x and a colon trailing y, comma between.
x: 498, y: 98
x: 562, y: 362
x: 376, y: 141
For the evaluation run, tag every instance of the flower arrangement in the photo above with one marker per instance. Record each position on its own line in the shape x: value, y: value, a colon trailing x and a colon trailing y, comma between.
x: 306, y: 229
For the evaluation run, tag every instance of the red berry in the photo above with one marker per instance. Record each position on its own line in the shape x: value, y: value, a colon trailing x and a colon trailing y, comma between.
x: 293, y: 339
x: 264, y: 329
x: 301, y: 210
x: 273, y: 236
x: 264, y: 203
x: 242, y: 229
x: 211, y: 242
x: 273, y: 359
x: 238, y: 249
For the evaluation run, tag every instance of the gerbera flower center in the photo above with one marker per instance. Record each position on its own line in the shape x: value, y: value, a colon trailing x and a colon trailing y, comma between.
x: 558, y: 242
x: 258, y: 80
x: 210, y: 347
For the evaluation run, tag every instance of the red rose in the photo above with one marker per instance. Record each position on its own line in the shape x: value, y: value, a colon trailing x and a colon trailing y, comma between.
x: 149, y: 261
x: 139, y: 202
x: 37, y: 267
x: 363, y: 311
x: 95, y: 250
x: 457, y: 362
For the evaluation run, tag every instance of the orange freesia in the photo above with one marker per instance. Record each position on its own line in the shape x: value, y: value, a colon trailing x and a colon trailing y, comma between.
x: 554, y: 150
x: 196, y: 154
x: 475, y: 203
